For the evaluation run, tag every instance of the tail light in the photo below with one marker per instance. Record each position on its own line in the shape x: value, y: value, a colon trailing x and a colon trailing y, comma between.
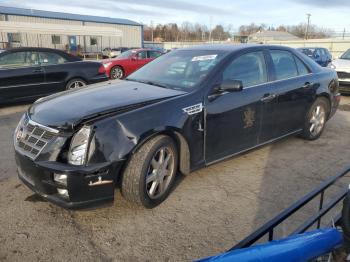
x: 102, y: 70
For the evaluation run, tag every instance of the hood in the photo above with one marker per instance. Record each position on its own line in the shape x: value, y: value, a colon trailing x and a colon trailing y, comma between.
x: 67, y: 109
x: 341, y: 64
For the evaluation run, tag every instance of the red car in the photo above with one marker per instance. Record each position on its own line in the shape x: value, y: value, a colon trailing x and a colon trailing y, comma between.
x: 128, y: 62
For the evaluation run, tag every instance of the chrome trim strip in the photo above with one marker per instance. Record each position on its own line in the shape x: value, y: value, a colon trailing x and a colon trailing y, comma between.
x: 34, y: 84
x: 250, y: 148
x: 49, y: 129
x: 276, y: 81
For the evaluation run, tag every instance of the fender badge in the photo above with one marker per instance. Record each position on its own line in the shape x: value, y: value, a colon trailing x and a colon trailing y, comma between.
x: 190, y: 110
x: 249, y: 117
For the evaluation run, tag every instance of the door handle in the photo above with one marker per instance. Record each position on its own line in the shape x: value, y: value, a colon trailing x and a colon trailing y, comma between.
x: 307, y: 85
x: 268, y: 97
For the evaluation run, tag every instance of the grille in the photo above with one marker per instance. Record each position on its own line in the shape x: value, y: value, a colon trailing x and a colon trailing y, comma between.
x: 31, y: 138
x: 343, y: 75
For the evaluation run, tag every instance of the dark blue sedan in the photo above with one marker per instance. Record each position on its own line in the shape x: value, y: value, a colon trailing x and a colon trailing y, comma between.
x: 184, y: 110
x: 320, y: 55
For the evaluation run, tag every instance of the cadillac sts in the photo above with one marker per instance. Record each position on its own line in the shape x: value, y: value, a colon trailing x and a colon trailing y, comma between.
x: 183, y: 111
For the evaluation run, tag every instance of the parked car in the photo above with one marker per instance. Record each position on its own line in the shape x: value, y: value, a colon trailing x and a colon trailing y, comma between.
x: 138, y: 133
x: 320, y: 55
x: 342, y: 66
x: 113, y: 52
x: 29, y: 73
x: 128, y: 62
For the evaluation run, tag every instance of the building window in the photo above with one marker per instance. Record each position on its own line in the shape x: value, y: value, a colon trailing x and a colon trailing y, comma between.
x: 56, y: 39
x: 93, y: 41
x: 14, y: 37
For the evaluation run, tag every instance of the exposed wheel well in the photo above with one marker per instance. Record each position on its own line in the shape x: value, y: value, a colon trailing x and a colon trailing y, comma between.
x: 181, y: 144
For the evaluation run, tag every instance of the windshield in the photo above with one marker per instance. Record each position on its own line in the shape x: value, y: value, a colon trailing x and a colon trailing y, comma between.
x: 181, y: 69
x: 346, y: 55
x: 126, y: 54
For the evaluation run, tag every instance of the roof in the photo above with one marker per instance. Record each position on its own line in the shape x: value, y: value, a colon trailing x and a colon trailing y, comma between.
x: 272, y: 35
x: 220, y: 47
x: 65, y: 16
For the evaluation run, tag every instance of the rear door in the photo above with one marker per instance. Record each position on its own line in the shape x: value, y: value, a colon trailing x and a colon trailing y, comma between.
x: 292, y: 89
x: 56, y: 71
x: 20, y: 75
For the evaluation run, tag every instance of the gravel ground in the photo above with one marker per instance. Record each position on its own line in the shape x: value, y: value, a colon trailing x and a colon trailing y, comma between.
x: 208, y: 212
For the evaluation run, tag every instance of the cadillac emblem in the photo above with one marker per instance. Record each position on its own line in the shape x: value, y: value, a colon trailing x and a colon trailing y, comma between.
x: 249, y: 118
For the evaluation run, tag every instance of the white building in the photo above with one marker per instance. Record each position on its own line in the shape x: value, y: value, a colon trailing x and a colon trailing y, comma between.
x: 71, y: 32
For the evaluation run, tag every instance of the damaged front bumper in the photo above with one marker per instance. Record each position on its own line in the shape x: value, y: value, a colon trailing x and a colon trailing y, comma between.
x: 86, y: 186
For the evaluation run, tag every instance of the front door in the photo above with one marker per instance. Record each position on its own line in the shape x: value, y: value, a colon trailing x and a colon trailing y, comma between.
x: 56, y: 72
x: 20, y: 75
x: 233, y: 120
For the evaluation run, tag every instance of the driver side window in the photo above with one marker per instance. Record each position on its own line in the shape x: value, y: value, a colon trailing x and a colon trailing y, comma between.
x: 249, y: 68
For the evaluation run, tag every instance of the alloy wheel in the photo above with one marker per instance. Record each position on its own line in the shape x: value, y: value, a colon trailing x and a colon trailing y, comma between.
x: 117, y: 73
x: 160, y: 172
x: 76, y: 84
x: 317, y: 120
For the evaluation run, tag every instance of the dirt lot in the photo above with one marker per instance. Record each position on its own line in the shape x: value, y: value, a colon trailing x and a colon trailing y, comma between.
x: 208, y: 212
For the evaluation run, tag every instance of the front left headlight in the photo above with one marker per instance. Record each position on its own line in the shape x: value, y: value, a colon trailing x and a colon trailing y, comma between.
x: 79, y: 146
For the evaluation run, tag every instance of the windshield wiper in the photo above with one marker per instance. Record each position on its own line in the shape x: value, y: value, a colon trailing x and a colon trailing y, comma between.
x: 147, y: 82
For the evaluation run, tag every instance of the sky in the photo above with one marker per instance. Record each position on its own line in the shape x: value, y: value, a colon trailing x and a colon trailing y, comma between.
x: 333, y: 14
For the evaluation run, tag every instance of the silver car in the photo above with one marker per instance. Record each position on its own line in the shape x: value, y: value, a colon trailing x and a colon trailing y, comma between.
x: 342, y: 66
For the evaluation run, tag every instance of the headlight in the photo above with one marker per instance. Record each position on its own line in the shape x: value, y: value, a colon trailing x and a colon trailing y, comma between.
x: 107, y: 64
x: 79, y: 146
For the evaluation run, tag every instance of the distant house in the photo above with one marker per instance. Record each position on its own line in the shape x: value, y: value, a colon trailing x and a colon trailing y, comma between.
x: 263, y: 36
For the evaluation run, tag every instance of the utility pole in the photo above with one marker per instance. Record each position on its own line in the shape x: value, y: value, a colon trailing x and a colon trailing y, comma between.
x: 211, y: 18
x: 152, y: 30
x: 344, y: 34
x: 308, y: 26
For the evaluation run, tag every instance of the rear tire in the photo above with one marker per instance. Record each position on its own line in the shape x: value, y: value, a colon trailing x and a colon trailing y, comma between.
x: 75, y: 83
x: 150, y: 173
x: 117, y: 72
x: 316, y: 118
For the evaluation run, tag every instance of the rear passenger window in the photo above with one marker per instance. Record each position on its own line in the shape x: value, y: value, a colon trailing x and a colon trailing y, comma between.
x: 302, y: 69
x: 51, y: 58
x: 249, y: 68
x: 284, y: 63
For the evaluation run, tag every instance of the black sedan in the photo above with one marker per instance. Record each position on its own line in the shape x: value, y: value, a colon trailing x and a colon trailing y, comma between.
x: 183, y: 111
x: 29, y: 73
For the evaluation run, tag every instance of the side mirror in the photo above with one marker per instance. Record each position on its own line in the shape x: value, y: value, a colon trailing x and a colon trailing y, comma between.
x: 230, y: 85
x: 134, y: 58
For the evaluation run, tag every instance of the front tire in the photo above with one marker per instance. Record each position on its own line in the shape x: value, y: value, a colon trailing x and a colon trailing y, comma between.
x: 150, y: 173
x: 316, y: 119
